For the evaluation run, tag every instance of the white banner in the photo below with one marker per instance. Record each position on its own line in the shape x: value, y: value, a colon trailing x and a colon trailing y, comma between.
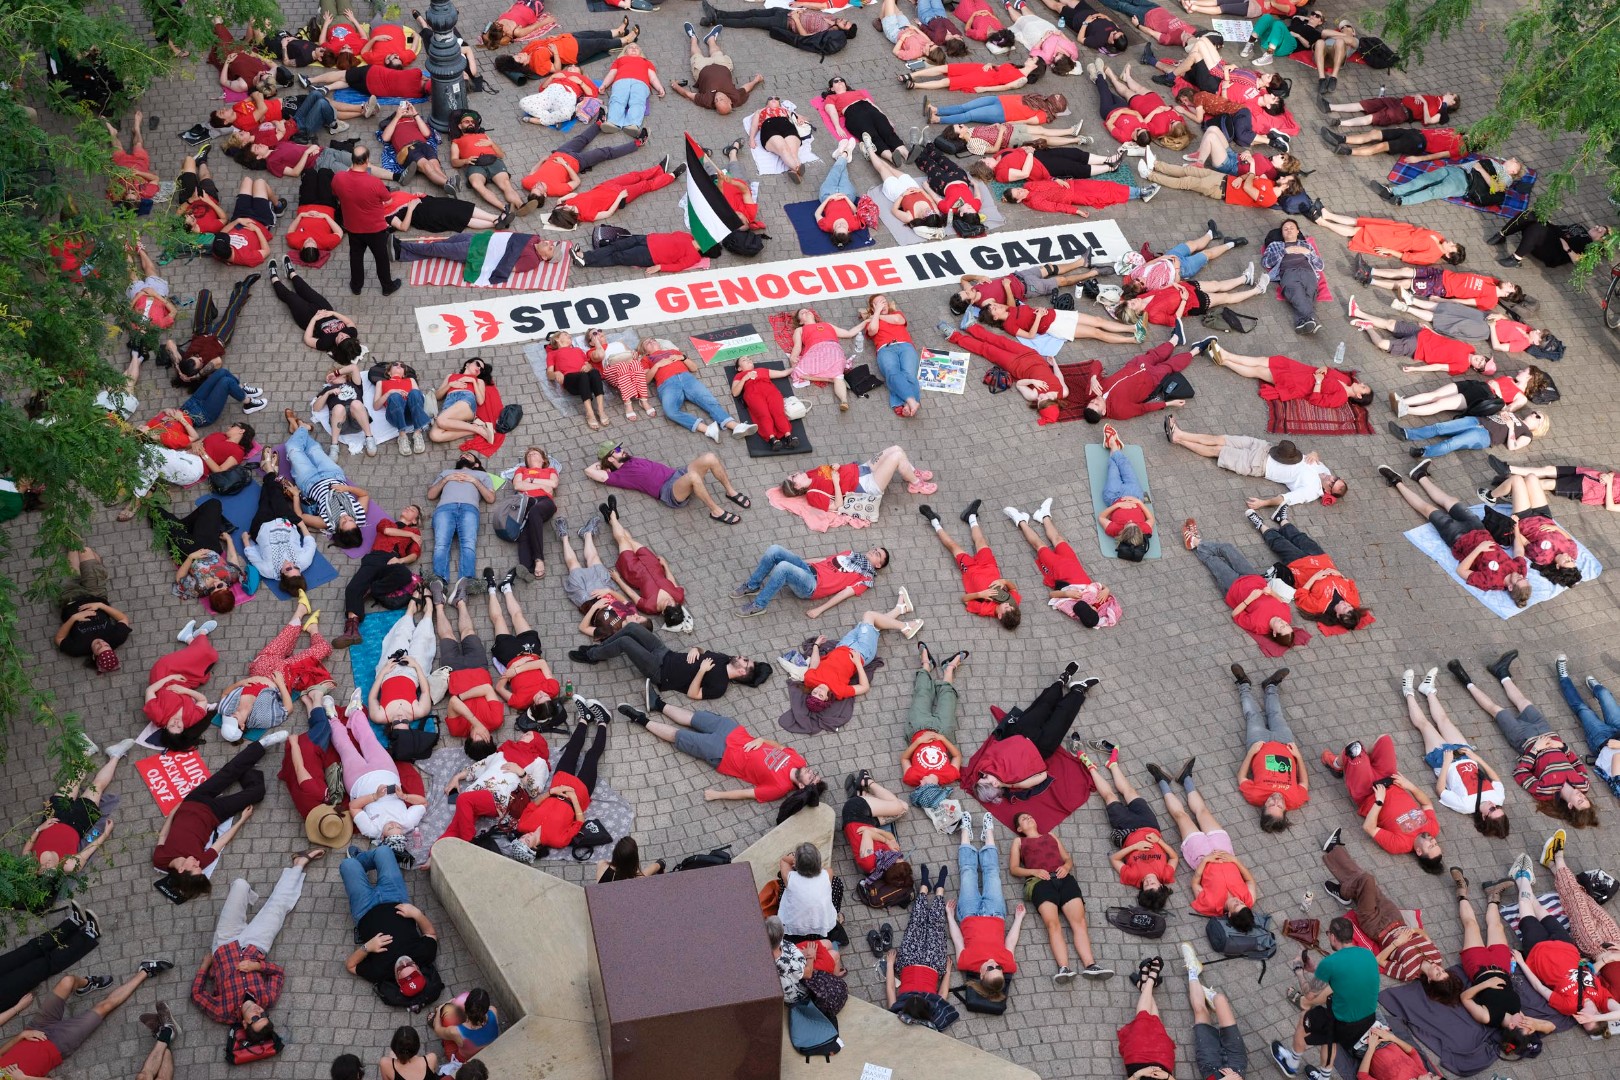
x: 643, y: 301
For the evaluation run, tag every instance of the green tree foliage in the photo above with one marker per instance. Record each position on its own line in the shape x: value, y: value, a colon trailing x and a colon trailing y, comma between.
x: 1560, y: 73
x: 63, y: 337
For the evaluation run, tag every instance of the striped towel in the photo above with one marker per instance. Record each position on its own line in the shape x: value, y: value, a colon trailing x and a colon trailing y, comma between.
x: 548, y: 277
x: 1518, y: 196
x: 1549, y: 903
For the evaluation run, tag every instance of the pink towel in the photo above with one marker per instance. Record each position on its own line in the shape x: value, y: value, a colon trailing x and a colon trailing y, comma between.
x: 834, y: 125
x: 818, y: 520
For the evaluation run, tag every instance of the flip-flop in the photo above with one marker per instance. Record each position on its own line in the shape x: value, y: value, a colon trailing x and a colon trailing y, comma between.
x: 314, y: 854
x: 960, y: 655
x: 726, y: 517
x: 926, y: 657
x: 740, y: 499
x: 1169, y: 428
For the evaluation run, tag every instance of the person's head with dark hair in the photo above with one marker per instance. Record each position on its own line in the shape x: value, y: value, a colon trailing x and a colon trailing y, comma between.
x: 477, y: 1006
x: 256, y: 1026
x: 1566, y: 576
x: 1341, y: 932
x: 956, y: 45
x: 220, y: 247
x: 928, y: 221
x: 348, y: 1067
x: 347, y: 536
x: 346, y: 347
x: 406, y: 1043
x: 360, y: 156
x: 473, y: 1070
x: 188, y: 884
x: 1274, y: 813
x: 1440, y: 984
x: 222, y: 601
x: 1091, y: 414
x: 1359, y: 393
x: 899, y: 874
x: 1241, y: 916
x: 291, y: 581
x: 626, y: 859
x: 1431, y: 864
x: 1454, y: 253
x: 918, y: 1007
x: 809, y: 789
x: 478, y: 749
x: 1062, y: 64
x: 1008, y: 615
x: 1154, y: 898
x: 742, y: 670
x: 982, y: 170
x: 186, y: 738
x: 1571, y: 806
x: 1034, y: 68
x: 309, y: 254
x: 1002, y: 39
x: 563, y: 217
x: 675, y: 615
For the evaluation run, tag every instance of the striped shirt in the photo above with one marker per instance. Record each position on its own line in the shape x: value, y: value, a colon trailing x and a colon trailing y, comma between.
x: 1546, y: 765
x: 333, y: 504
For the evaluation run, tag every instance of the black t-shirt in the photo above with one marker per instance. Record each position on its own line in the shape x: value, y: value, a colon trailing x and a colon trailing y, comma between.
x: 1097, y: 31
x: 1301, y: 27
x: 408, y: 941
x: 677, y: 673
x: 301, y: 52
x: 100, y: 625
x: 1499, y: 1002
x: 327, y: 330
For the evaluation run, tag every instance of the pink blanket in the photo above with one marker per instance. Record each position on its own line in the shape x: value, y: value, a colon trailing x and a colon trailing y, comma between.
x: 834, y: 123
x: 818, y: 520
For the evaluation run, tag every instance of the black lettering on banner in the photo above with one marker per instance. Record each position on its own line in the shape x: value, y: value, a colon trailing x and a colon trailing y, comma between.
x: 1073, y: 247
x: 623, y: 304
x: 917, y: 267
x: 559, y: 313
x: 985, y: 257
x: 1043, y: 248
x: 591, y: 311
x: 1018, y: 255
x: 942, y: 264
x: 527, y: 320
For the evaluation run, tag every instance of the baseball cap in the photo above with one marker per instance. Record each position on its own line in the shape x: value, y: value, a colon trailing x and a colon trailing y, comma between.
x: 605, y: 448
x: 411, y: 982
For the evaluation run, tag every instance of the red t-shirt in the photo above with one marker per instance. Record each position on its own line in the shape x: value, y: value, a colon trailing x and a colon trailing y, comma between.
x: 1477, y: 287
x: 978, y: 571
x: 364, y: 199
x: 768, y: 768
x: 1419, y: 104
x: 1237, y: 195
x: 1126, y: 515
x: 473, y: 144
x: 526, y: 686
x: 192, y: 825
x: 208, y: 219
x: 984, y: 937
x: 387, y: 41
x: 220, y: 447
x: 1435, y: 348
x: 396, y: 82
x: 1442, y: 141
x: 32, y: 1057
x: 867, y: 863
x: 836, y: 672
x: 1020, y: 160
x: 914, y: 978
x: 171, y: 433
x: 930, y: 758
x: 1221, y: 879
x: 840, y: 211
x: 830, y: 579
x: 673, y: 251
x: 595, y: 202
x: 1494, y: 564
x: 1390, y: 1062
x: 310, y: 230
x: 1401, y: 821
x: 1557, y: 965
x: 645, y: 574
x: 1256, y: 618
x: 244, y: 113
x: 398, y: 546
x: 1545, y: 541
x: 61, y: 839
x: 889, y: 333
x: 1165, y: 305
x: 1139, y: 864
x: 1274, y: 770
x: 553, y: 816
x: 568, y: 359
x: 550, y: 176
x: 1123, y: 124
x: 396, y: 688
x: 151, y: 309
x: 489, y: 710
x: 820, y: 494
x: 247, y: 246
x: 638, y: 68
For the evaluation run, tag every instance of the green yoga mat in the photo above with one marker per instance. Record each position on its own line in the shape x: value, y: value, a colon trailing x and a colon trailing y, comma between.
x: 1097, y: 471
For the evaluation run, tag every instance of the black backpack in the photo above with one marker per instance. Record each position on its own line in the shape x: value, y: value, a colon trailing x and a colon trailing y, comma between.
x: 973, y: 1000
x: 812, y: 1032
x: 1257, y: 943
x: 744, y: 243
x: 823, y: 43
x: 720, y: 856
x: 1376, y: 54
x: 1138, y: 921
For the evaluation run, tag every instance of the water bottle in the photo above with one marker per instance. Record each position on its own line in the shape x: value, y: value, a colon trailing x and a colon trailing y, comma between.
x: 1307, y: 900
x: 1381, y: 90
x: 1338, y: 355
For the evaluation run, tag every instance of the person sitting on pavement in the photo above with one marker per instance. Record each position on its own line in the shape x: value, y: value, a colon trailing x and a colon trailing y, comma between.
x: 1341, y: 1011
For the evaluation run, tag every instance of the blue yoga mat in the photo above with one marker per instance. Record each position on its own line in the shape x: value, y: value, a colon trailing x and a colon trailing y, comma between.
x: 1097, y: 472
x: 363, y: 660
x: 355, y: 97
x: 812, y: 241
x: 1426, y: 540
x: 239, y: 510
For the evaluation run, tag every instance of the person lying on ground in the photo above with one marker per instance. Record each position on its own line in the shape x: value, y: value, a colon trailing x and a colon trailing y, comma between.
x: 1464, y: 780
x: 832, y: 579
x: 771, y: 771
x: 984, y: 591
x: 1321, y: 590
x: 1406, y: 953
x: 1397, y: 814
x: 825, y: 486
x: 617, y: 468
x: 840, y: 673
x: 1056, y: 896
x: 1305, y: 475
x: 1069, y: 588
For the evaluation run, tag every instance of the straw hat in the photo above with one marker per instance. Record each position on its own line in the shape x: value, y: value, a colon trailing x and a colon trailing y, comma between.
x: 325, y: 826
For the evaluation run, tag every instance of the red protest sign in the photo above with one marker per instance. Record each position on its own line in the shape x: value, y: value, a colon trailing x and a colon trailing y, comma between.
x: 171, y: 777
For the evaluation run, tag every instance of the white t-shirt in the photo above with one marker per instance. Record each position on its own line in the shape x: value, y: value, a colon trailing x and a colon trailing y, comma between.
x: 1463, y: 778
x: 1303, y: 479
x: 390, y: 809
x: 807, y: 905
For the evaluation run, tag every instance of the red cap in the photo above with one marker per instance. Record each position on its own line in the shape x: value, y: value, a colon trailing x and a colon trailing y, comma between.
x: 409, y: 977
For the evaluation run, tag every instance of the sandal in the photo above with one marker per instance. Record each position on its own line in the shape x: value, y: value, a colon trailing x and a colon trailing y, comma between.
x: 734, y: 147
x: 726, y: 517
x: 958, y: 657
x: 313, y: 854
x: 922, y: 487
x: 1169, y: 428
x: 924, y: 474
x: 1190, y: 536
x: 924, y: 657
x: 740, y: 499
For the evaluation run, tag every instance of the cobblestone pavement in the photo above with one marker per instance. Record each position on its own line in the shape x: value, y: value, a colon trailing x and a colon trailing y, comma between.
x: 1165, y: 690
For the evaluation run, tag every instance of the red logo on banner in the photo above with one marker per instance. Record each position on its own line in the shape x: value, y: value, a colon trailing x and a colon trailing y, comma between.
x: 488, y: 327
x: 171, y: 777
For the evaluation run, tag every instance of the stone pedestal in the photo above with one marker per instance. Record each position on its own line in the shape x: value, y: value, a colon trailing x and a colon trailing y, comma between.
x: 682, y: 980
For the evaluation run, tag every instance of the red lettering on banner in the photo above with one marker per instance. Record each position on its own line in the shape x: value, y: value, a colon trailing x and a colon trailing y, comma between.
x: 802, y: 286
x: 171, y: 777
x: 883, y: 272
x: 706, y: 296
x: 738, y: 291
x: 772, y: 287
x: 850, y: 277
x: 671, y: 300
x: 826, y: 276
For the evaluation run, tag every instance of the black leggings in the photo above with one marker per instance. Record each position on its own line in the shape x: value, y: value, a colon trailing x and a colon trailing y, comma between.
x: 198, y: 530
x: 865, y: 118
x: 570, y: 761
x: 215, y: 793
x: 374, y: 567
x: 1533, y: 931
x: 301, y: 299
x: 1290, y: 543
x: 583, y: 384
x: 757, y: 20
x: 1047, y: 720
x: 531, y: 542
x: 1108, y: 99
x: 315, y: 189
x: 1065, y: 162
x: 624, y: 251
x: 37, y: 959
x: 274, y: 505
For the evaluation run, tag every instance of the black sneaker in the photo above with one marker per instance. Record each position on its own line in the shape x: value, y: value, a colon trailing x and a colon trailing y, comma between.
x: 1459, y: 672
x: 633, y: 714
x: 92, y: 983
x: 928, y: 514
x: 1503, y: 668
x: 650, y: 698
x: 1335, y: 839
x: 1391, y: 477
x: 1498, y: 466
x: 1332, y: 889
x: 1420, y: 470
x: 580, y: 655
x: 156, y: 967
x: 971, y: 511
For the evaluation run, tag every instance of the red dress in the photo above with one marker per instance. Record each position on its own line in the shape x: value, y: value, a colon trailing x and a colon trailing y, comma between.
x: 193, y: 664
x: 972, y: 77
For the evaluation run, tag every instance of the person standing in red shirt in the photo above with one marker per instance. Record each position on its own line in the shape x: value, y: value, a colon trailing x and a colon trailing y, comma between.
x: 984, y: 591
x: 363, y: 198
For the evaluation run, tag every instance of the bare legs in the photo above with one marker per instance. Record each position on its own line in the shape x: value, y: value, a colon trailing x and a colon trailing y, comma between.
x: 893, y: 460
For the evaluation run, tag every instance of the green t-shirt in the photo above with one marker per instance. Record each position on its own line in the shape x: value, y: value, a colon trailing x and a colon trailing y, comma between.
x: 1353, y: 974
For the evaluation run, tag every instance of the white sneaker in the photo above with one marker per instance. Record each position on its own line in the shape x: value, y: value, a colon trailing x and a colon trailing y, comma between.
x: 1248, y: 274
x: 371, y: 447
x: 404, y: 441
x: 330, y: 706
x: 1426, y: 687
x: 987, y: 833
x: 1043, y: 511
x: 1408, y: 679
x: 418, y: 443
x: 1015, y: 515
x: 713, y: 432
x: 356, y: 701
x: 1248, y: 49
x: 1265, y: 59
x: 276, y: 737
x: 119, y: 748
x: 1189, y: 959
x: 90, y: 746
x: 742, y: 431
x: 187, y: 632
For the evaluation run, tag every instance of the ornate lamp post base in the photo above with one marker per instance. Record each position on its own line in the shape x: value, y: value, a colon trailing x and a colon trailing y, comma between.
x: 445, y: 65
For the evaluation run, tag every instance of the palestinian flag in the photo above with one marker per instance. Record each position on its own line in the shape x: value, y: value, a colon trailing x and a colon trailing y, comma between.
x: 491, y: 257
x: 729, y: 345
x: 709, y: 218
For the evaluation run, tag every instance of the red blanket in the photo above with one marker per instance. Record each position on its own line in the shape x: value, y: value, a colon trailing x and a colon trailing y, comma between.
x: 490, y: 410
x: 1014, y: 759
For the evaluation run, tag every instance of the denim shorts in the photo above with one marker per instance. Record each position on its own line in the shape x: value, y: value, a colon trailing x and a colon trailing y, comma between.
x: 863, y: 640
x: 1229, y: 165
x: 459, y: 397
x: 1434, y: 757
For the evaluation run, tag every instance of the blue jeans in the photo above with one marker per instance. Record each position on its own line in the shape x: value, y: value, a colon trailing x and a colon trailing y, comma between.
x: 308, y: 462
x: 315, y: 114
x: 1463, y: 433
x: 1191, y: 261
x: 980, y: 871
x: 1448, y: 182
x: 1121, y: 480
x: 627, y: 102
x: 405, y: 411
x: 686, y: 388
x: 450, y: 522
x: 985, y: 110
x: 208, y: 402
x: 320, y: 728
x: 363, y: 895
x: 780, y: 568
x: 898, y: 362
x: 1598, y: 732
x: 837, y: 182
x: 931, y: 9
x: 1136, y: 8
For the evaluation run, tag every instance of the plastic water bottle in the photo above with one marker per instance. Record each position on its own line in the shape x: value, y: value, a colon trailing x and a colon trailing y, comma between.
x: 1338, y: 355
x: 1307, y: 900
x: 1381, y: 90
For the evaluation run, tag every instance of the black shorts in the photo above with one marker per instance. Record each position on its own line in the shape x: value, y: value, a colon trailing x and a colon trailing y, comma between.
x: 1402, y: 141
x: 254, y: 209
x: 1569, y: 483
x: 355, y: 78
x: 79, y: 814
x: 1198, y: 75
x: 416, y: 151
x: 1322, y: 1028
x: 1452, y: 524
x: 1057, y: 891
x: 1499, y: 525
x: 857, y: 811
x: 1125, y: 818
x: 1478, y: 398
x: 509, y: 647
x: 1200, y: 302
x: 777, y: 125
x: 1533, y: 932
x: 190, y: 185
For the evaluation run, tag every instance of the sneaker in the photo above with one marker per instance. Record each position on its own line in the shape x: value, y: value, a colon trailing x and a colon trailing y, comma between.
x: 633, y: 714
x: 650, y: 698
x: 1150, y: 190
x: 1522, y: 868
x: 1254, y: 519
x: 1096, y: 972
x: 418, y: 443
x: 158, y: 967
x: 1335, y: 839
x: 1189, y: 960
x: 747, y: 610
x: 1043, y: 511
x: 1319, y: 1073
x: 987, y: 832
x: 120, y: 748
x: 1554, y: 844
x: 560, y: 524
x: 1332, y: 889
x: 252, y: 391
x: 275, y: 738
x: 92, y: 983
x: 404, y: 441
x: 370, y: 446
x: 253, y: 405
x: 742, y: 431
x: 1015, y: 515
x: 187, y: 632
x: 1286, y: 1059
x: 1426, y: 687
x: 1064, y: 976
x: 1280, y: 515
